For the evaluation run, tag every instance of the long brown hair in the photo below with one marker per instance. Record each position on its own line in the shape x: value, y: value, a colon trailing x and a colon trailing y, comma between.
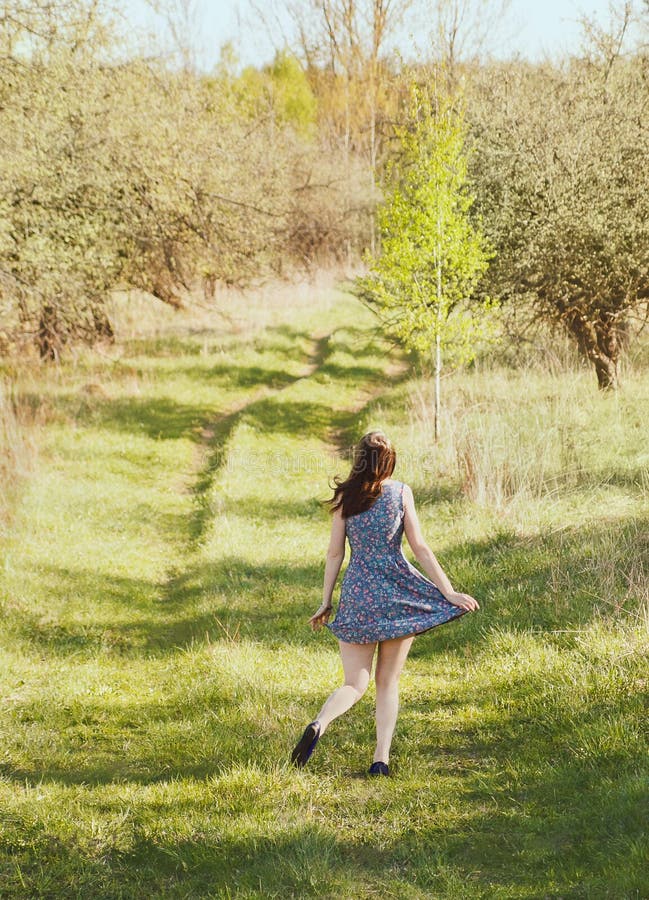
x: 374, y: 461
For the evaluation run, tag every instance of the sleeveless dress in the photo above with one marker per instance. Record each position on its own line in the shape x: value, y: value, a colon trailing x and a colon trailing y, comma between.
x: 382, y: 595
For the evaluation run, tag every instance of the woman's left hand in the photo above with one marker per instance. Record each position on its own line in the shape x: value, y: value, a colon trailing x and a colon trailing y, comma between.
x: 465, y: 601
x: 319, y: 618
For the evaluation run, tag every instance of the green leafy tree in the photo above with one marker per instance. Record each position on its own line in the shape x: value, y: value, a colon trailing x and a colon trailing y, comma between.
x: 563, y: 184
x: 432, y: 254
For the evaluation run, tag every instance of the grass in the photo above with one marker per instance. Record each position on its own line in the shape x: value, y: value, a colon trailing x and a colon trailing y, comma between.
x: 156, y: 668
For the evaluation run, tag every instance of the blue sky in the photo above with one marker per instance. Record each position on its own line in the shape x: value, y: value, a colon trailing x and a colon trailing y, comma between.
x: 535, y: 29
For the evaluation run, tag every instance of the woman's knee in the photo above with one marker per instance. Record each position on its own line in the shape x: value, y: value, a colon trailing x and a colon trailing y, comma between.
x: 386, y: 681
x: 359, y: 683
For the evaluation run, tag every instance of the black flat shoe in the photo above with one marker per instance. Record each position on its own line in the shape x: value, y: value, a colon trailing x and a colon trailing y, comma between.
x: 378, y: 768
x: 306, y: 745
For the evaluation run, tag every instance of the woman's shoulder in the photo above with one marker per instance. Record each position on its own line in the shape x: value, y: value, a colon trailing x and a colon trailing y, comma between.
x: 396, y: 483
x: 396, y: 486
x: 403, y: 489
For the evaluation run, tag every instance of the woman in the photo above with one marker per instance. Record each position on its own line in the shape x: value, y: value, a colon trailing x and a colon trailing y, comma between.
x: 384, y: 600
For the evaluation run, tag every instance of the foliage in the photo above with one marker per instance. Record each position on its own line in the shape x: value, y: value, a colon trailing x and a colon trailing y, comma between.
x: 280, y: 89
x: 564, y: 195
x: 432, y: 254
x: 122, y: 172
x: 121, y: 168
x: 294, y: 99
x: 56, y: 254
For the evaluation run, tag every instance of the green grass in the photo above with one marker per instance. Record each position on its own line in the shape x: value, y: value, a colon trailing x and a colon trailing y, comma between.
x: 156, y: 668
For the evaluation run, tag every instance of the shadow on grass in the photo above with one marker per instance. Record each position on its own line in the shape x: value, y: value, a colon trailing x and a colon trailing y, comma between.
x: 275, y: 414
x: 292, y: 417
x: 554, y: 583
x: 231, y: 375
x: 351, y: 425
x: 547, y: 584
x: 166, y: 418
x: 160, y: 418
x: 535, y: 820
x: 535, y: 802
x: 87, y: 613
x: 303, y: 860
x: 264, y: 602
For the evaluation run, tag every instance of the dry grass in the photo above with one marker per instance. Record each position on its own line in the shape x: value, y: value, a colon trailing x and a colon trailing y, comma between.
x: 510, y: 437
x: 135, y: 314
x: 18, y: 443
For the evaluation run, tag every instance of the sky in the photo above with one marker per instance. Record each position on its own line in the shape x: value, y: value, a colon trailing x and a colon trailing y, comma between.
x: 538, y: 27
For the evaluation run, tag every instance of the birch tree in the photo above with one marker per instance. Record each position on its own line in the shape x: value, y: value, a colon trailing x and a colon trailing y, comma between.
x: 433, y: 255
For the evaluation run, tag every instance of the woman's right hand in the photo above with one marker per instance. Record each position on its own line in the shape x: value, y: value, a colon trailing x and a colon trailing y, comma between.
x: 319, y: 618
x: 466, y: 601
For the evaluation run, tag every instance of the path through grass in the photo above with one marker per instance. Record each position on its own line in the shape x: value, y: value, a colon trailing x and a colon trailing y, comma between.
x: 156, y: 666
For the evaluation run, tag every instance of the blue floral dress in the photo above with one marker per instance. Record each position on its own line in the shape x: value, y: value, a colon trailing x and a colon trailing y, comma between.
x: 382, y: 595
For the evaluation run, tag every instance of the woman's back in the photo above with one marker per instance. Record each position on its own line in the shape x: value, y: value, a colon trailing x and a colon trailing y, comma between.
x: 379, y: 529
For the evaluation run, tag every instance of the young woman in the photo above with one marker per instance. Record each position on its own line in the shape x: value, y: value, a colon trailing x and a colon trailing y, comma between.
x: 384, y: 600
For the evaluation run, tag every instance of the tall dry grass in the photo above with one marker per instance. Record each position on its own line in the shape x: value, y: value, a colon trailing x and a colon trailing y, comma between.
x: 550, y: 458
x: 516, y: 436
x: 17, y: 448
x: 235, y: 311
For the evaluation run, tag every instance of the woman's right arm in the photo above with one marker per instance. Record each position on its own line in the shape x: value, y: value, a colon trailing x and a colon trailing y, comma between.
x: 335, y: 557
x: 426, y: 558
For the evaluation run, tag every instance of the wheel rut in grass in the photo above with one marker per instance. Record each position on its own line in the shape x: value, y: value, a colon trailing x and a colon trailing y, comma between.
x: 342, y: 435
x: 216, y: 433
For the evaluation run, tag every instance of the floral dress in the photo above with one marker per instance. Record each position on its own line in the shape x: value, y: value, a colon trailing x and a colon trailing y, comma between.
x: 383, y: 596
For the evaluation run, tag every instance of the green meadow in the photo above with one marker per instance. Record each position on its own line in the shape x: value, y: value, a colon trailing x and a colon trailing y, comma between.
x: 164, y: 548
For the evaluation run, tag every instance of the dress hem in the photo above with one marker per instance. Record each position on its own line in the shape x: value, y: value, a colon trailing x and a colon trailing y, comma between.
x: 392, y: 637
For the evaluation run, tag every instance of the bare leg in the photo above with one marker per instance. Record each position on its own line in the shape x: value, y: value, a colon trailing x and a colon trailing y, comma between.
x: 392, y: 655
x: 357, y: 665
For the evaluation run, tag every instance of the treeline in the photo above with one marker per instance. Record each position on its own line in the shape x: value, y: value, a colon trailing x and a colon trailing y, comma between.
x: 127, y: 170
x: 136, y: 173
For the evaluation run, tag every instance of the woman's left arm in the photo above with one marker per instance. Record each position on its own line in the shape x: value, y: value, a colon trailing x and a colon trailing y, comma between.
x: 335, y: 557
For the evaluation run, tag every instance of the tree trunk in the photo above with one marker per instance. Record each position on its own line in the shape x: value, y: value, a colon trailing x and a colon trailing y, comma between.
x: 607, y: 375
x: 102, y: 324
x: 599, y: 342
x: 438, y: 328
x: 48, y: 336
x: 438, y: 384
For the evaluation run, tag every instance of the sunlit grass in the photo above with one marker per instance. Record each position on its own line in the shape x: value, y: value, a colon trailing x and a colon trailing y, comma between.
x: 156, y: 665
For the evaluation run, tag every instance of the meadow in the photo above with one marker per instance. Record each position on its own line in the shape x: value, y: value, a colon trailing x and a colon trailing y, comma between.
x: 163, y: 546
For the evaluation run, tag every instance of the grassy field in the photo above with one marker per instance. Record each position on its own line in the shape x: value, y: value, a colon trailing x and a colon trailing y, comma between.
x: 156, y: 667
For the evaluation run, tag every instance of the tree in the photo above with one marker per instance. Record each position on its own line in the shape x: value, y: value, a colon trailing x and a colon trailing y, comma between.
x: 56, y: 238
x: 348, y: 51
x: 563, y: 187
x: 433, y: 255
x: 463, y: 31
x: 124, y: 172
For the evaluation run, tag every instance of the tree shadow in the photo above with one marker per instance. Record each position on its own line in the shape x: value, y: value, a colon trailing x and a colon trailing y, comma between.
x: 529, y: 806
x: 529, y: 793
x: 305, y: 860
x: 66, y: 628
x: 232, y: 375
x: 346, y: 431
x: 135, y: 616
x: 261, y: 413
x: 255, y: 602
x: 514, y: 578
x: 293, y: 417
x: 160, y: 418
x: 554, y: 583
x: 302, y: 860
